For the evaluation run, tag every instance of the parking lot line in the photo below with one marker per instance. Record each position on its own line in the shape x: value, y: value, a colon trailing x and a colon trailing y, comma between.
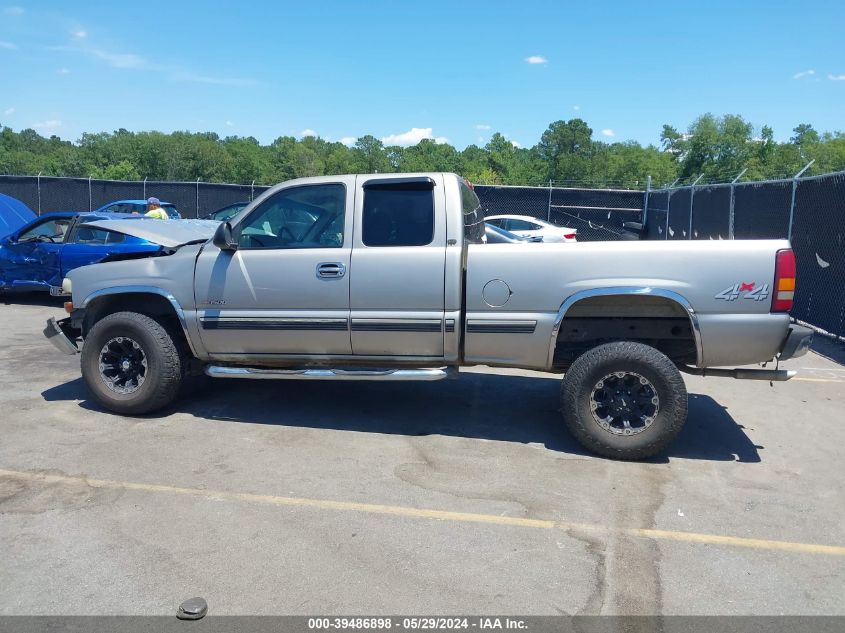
x: 441, y: 515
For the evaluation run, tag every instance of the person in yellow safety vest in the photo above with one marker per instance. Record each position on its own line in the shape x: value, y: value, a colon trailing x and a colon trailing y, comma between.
x: 154, y: 210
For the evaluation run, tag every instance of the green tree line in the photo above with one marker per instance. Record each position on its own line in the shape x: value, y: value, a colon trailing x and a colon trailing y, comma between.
x: 717, y: 147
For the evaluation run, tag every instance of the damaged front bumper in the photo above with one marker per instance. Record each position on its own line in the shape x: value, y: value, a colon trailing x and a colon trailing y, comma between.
x: 62, y: 335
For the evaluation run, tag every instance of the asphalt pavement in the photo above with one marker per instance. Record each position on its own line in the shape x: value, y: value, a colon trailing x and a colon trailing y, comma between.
x: 460, y: 496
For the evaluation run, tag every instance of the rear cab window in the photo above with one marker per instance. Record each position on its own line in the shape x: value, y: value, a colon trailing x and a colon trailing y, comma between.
x: 398, y: 214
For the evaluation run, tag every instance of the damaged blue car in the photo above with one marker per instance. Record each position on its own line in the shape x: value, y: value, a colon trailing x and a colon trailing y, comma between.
x: 36, y: 255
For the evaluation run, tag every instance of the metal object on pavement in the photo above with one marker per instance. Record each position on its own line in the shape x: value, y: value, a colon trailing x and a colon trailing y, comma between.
x: 192, y: 609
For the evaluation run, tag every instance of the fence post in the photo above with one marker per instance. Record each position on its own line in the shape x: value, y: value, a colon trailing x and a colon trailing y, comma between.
x: 792, y: 202
x: 645, y: 199
x: 252, y: 191
x: 198, y: 198
x: 731, y: 207
x: 691, y: 198
x: 90, y: 205
x: 668, y: 205
x: 145, y: 188
x: 38, y: 187
x: 549, y: 212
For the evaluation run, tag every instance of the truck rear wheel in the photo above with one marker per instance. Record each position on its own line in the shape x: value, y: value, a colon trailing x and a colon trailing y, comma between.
x: 624, y: 400
x: 131, y: 363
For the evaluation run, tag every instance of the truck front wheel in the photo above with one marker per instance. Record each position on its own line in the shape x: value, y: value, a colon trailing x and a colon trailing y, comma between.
x: 624, y: 400
x: 131, y: 363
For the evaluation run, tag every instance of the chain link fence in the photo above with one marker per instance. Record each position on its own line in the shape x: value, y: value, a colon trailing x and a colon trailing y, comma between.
x: 810, y: 211
x: 192, y: 199
x: 597, y: 214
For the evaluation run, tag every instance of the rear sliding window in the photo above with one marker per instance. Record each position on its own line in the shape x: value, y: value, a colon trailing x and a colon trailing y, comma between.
x: 473, y: 220
x: 398, y: 214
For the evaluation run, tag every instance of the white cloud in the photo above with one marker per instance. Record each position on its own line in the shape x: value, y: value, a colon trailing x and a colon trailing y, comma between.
x: 181, y: 75
x: 804, y: 73
x: 481, y: 140
x: 50, y: 124
x: 132, y: 61
x: 79, y: 34
x: 482, y: 126
x: 349, y: 141
x: 63, y: 71
x: 13, y: 10
x: 833, y: 77
x: 536, y: 59
x: 576, y: 107
x: 120, y: 60
x: 608, y: 132
x: 7, y: 45
x: 307, y: 132
x: 229, y: 124
x: 413, y: 136
x: 9, y: 111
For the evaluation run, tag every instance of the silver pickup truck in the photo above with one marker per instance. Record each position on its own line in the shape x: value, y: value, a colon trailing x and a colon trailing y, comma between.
x: 388, y: 277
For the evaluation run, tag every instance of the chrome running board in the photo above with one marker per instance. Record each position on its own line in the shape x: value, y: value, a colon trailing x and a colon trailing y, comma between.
x: 260, y: 373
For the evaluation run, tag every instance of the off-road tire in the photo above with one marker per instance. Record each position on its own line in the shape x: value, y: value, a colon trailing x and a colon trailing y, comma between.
x: 624, y: 356
x: 164, y: 369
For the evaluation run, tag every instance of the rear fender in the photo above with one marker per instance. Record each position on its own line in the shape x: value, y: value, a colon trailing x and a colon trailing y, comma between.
x: 626, y: 291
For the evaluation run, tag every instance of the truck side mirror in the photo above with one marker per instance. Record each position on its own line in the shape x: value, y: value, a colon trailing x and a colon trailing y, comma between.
x: 223, y: 238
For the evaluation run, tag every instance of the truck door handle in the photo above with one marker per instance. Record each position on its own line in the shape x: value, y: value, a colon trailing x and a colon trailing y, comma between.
x: 330, y: 270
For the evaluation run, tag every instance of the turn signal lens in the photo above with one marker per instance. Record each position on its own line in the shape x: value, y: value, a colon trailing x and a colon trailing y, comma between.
x: 784, y: 286
x: 68, y: 306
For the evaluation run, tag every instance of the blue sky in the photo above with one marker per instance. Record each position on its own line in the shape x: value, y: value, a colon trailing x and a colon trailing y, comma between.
x: 408, y: 70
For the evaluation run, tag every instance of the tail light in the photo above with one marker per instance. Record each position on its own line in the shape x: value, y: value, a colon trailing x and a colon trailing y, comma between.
x: 569, y: 236
x: 784, y: 288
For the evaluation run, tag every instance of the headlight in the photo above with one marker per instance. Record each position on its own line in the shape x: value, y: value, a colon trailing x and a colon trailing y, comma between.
x: 66, y: 286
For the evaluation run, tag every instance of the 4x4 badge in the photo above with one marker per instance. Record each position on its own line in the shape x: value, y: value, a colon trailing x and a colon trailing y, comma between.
x: 751, y: 290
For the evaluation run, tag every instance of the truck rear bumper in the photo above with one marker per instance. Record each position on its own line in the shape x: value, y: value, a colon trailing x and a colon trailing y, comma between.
x: 797, y: 342
x: 62, y: 335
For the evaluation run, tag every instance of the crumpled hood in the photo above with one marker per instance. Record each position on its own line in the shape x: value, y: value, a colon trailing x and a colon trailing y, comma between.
x: 168, y: 233
x: 13, y: 215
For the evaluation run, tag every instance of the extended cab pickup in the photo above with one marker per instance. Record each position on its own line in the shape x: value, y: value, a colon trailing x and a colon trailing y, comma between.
x: 387, y: 277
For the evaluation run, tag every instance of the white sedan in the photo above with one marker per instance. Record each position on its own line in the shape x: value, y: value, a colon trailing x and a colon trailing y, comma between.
x: 526, y: 226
